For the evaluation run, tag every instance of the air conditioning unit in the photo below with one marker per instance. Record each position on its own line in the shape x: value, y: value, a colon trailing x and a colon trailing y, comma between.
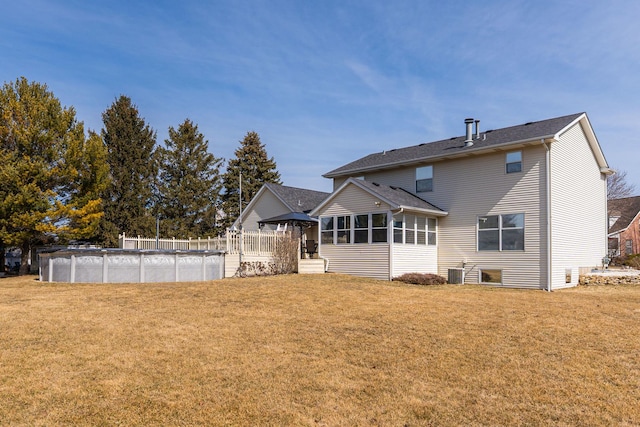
x: 455, y: 276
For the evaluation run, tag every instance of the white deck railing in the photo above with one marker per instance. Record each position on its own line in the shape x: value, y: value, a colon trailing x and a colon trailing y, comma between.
x: 253, y: 242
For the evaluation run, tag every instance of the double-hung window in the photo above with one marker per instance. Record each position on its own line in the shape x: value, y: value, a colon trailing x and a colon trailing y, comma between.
x: 397, y: 228
x: 424, y: 179
x: 514, y: 162
x: 431, y: 231
x: 326, y: 231
x: 501, y: 232
x: 344, y: 229
x: 410, y: 229
x: 379, y: 228
x: 361, y: 228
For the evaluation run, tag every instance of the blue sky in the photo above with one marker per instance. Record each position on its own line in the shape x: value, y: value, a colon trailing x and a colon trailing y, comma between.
x: 326, y: 82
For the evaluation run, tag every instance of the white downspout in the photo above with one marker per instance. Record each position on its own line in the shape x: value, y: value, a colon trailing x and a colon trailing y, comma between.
x: 548, y: 189
x: 390, y: 240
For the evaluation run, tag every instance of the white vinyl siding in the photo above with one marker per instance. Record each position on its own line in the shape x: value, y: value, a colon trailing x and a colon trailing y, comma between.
x: 267, y: 206
x: 366, y: 260
x: 353, y: 200
x: 358, y: 260
x: 478, y: 185
x: 414, y: 259
x: 475, y: 186
x: 578, y: 200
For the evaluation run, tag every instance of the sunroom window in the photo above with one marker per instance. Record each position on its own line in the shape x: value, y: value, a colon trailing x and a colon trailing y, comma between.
x: 431, y: 231
x: 409, y: 229
x: 414, y: 229
x: 344, y: 229
x: 356, y: 229
x: 326, y: 232
x: 361, y: 228
x: 379, y: 228
x: 397, y: 228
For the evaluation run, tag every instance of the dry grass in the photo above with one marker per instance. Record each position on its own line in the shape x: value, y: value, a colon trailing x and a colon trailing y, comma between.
x: 316, y: 350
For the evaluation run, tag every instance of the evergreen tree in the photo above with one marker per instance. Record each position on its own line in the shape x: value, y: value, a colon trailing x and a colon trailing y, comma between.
x: 257, y: 169
x: 130, y: 146
x: 50, y: 175
x: 188, y: 184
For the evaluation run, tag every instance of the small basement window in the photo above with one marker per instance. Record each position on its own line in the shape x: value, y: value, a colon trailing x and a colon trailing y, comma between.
x: 491, y: 276
x: 567, y: 275
x: 514, y: 162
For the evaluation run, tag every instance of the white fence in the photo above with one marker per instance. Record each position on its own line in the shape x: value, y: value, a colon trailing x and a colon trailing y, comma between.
x: 252, y: 242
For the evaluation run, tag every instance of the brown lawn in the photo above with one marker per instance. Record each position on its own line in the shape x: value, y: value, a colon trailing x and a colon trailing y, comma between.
x: 324, y: 350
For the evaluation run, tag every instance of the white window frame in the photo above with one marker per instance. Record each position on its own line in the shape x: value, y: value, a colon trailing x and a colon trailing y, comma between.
x: 430, y: 230
x: 350, y: 232
x: 346, y: 231
x: 424, y: 174
x: 372, y: 228
x: 481, y: 270
x: 512, y: 162
x: 326, y: 231
x: 366, y: 229
x: 500, y: 229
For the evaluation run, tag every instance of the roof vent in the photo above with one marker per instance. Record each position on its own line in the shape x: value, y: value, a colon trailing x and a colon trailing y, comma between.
x: 468, y: 142
x: 477, y: 129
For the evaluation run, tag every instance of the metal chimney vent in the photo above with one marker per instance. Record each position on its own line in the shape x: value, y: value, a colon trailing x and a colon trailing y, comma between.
x: 468, y: 142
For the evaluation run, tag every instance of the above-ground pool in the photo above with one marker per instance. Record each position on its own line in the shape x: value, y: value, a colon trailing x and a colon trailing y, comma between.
x: 130, y: 266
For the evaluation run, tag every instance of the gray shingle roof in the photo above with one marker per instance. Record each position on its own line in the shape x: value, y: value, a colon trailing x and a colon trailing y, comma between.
x: 398, y: 196
x: 298, y: 199
x: 449, y: 147
x: 627, y: 208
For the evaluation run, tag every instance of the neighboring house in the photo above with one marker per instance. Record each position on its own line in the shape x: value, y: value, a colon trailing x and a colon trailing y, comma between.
x: 523, y: 206
x: 273, y: 200
x: 624, y: 226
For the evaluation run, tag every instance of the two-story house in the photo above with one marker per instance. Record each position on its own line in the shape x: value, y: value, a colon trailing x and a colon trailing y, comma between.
x: 624, y: 226
x: 522, y: 206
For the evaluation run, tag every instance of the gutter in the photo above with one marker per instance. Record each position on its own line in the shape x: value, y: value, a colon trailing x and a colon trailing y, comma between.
x: 462, y: 153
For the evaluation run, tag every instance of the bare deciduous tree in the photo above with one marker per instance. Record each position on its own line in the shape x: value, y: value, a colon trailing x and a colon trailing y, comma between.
x: 618, y: 187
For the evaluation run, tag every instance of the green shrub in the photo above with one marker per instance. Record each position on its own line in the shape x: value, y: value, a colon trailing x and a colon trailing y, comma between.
x: 421, y: 279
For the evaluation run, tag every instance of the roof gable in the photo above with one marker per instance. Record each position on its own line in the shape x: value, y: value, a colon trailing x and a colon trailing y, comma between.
x: 294, y: 199
x: 395, y: 197
x: 454, y: 147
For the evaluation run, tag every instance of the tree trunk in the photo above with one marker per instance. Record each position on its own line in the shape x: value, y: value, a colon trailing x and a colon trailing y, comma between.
x: 24, y: 258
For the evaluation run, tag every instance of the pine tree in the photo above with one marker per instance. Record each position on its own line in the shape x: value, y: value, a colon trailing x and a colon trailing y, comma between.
x: 51, y: 175
x: 188, y: 184
x: 257, y: 169
x: 128, y: 200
